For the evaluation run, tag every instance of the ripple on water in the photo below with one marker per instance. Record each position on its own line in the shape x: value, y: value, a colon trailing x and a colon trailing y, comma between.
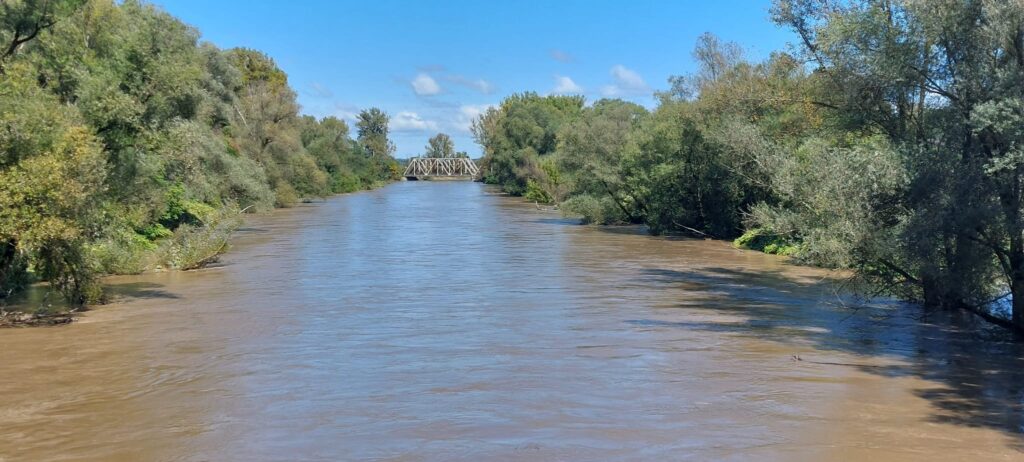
x: 440, y: 321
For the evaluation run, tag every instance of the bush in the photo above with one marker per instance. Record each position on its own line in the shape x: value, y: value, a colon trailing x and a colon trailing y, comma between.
x: 593, y: 210
x: 345, y: 183
x: 197, y: 246
x: 124, y: 253
x: 535, y: 193
x: 285, y: 195
x: 763, y: 241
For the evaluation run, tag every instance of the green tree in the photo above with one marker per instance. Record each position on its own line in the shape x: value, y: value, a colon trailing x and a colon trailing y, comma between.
x: 595, y: 151
x: 21, y: 21
x: 517, y: 134
x: 373, y: 132
x: 440, y: 146
x: 270, y: 129
x: 942, y: 81
x: 49, y: 190
x: 126, y: 144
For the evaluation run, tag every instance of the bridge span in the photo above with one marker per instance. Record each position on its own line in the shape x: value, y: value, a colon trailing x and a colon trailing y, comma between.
x: 441, y: 168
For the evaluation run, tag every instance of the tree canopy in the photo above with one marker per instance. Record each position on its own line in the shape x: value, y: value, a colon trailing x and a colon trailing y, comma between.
x: 125, y: 144
x: 440, y: 146
x: 889, y: 144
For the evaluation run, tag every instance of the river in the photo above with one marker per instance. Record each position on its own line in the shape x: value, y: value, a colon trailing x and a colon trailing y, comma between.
x: 441, y: 321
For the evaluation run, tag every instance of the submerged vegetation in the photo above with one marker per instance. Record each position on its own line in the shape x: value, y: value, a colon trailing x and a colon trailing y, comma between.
x: 127, y: 144
x: 890, y: 145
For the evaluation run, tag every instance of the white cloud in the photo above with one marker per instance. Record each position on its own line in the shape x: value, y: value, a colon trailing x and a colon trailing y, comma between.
x: 408, y: 121
x: 610, y: 91
x: 346, y: 112
x: 565, y: 85
x: 479, y: 85
x: 425, y: 85
x: 626, y: 81
x: 467, y: 114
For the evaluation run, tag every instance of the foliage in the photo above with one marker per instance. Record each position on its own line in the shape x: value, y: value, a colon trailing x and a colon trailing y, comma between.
x: 764, y: 241
x: 941, y: 81
x: 519, y: 133
x: 889, y: 145
x: 195, y: 246
x: 373, y: 132
x: 126, y: 144
x: 440, y: 146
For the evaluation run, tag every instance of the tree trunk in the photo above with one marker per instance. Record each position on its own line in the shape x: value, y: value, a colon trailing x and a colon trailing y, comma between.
x: 1017, y: 292
x: 1017, y: 281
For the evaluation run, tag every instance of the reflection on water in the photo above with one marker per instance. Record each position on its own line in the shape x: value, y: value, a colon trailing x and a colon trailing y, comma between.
x: 438, y: 321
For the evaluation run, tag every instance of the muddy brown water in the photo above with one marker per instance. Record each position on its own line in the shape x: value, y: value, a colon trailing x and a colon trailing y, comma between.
x: 440, y: 321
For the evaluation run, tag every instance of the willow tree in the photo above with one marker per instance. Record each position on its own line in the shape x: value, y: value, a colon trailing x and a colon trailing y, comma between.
x: 942, y: 80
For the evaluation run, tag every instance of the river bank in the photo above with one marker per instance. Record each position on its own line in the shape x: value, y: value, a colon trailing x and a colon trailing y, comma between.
x: 40, y: 306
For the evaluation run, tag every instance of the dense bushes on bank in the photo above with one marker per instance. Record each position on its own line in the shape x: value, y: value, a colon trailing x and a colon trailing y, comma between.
x: 890, y: 144
x: 126, y: 144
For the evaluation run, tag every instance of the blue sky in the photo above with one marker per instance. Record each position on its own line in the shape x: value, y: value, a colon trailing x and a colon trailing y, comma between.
x: 435, y: 65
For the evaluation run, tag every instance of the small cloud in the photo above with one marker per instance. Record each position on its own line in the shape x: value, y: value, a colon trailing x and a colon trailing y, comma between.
x: 561, y: 56
x: 408, y: 121
x: 467, y: 114
x: 319, y: 91
x: 565, y: 85
x: 626, y: 81
x: 346, y: 112
x: 425, y: 85
x: 479, y: 85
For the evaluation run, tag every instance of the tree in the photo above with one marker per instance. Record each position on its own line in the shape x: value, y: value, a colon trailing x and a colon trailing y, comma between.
x: 594, y: 152
x: 270, y: 128
x: 125, y: 143
x: 517, y: 134
x: 372, y: 127
x: 942, y: 81
x: 440, y: 146
x: 49, y: 197
x: 715, y: 59
x: 21, y: 21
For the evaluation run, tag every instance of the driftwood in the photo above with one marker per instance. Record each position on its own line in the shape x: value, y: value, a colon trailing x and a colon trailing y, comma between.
x: 18, y: 319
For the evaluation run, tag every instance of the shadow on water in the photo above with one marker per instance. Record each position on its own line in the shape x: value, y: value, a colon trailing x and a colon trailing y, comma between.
x: 978, y: 369
x: 137, y: 290
x: 558, y: 221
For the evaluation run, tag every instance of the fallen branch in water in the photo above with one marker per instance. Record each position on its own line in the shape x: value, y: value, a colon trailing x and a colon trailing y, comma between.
x: 690, y: 229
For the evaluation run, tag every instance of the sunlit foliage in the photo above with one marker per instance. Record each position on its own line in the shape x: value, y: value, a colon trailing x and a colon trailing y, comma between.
x: 126, y: 144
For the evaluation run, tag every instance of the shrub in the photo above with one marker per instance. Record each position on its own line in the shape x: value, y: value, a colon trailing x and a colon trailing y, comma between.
x: 193, y: 247
x: 763, y: 241
x: 535, y: 193
x: 124, y: 253
x: 593, y: 210
x: 285, y: 195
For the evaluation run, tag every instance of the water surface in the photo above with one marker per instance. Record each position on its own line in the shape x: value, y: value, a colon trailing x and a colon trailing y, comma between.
x: 440, y: 321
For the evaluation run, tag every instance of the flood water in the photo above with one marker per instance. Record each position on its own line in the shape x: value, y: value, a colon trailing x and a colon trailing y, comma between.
x: 441, y: 321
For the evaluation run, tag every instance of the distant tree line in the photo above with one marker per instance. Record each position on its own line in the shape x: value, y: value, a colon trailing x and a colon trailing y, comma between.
x: 126, y: 144
x: 891, y: 144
